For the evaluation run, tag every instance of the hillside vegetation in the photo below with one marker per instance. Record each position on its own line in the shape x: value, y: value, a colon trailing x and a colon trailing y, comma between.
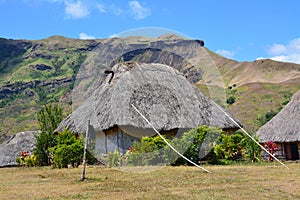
x: 33, y: 73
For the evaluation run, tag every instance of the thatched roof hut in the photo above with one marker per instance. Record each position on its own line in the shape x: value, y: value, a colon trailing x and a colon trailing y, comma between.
x: 284, y: 130
x: 160, y: 92
x: 285, y: 126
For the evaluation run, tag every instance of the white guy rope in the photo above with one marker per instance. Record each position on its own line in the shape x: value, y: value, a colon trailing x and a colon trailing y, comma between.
x: 167, y: 141
x: 250, y: 136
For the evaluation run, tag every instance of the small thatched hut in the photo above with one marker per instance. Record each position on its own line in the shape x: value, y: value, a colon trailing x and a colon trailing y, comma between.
x: 284, y: 130
x: 161, y: 93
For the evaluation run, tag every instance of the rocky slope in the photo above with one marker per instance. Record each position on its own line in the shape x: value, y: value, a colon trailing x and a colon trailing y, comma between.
x: 33, y: 73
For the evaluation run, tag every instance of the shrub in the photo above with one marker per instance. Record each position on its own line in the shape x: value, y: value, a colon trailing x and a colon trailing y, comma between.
x: 262, y: 119
x: 114, y: 159
x: 69, y: 150
x: 230, y: 100
x: 253, y: 153
x: 271, y: 147
x: 152, y: 151
x: 201, y: 144
x: 146, y: 152
x: 230, y: 147
x: 25, y: 159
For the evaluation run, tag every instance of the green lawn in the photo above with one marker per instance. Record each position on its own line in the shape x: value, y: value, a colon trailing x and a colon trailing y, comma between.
x: 225, y: 182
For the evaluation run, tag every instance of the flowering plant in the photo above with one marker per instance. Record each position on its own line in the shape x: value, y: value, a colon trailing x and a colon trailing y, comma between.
x: 271, y: 147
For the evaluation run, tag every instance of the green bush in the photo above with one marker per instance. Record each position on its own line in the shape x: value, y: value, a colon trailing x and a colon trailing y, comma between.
x: 253, y: 150
x: 262, y: 119
x: 203, y: 138
x: 146, y: 152
x: 201, y: 144
x: 152, y: 151
x: 230, y: 100
x: 68, y: 151
x: 236, y: 147
x: 44, y: 141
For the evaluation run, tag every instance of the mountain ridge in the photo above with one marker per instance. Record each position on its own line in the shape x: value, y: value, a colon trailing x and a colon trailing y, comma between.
x: 57, y: 58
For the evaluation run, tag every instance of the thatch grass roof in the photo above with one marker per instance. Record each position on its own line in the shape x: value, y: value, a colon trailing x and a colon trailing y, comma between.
x: 160, y: 92
x: 285, y: 126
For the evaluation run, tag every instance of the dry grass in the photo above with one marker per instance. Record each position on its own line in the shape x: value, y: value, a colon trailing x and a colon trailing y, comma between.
x: 225, y: 182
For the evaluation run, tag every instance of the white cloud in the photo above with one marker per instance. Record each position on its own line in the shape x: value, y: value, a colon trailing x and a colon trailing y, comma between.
x: 84, y: 36
x: 138, y: 11
x: 289, y: 52
x: 225, y: 53
x: 116, y: 10
x: 76, y: 10
x: 101, y: 8
x: 277, y: 49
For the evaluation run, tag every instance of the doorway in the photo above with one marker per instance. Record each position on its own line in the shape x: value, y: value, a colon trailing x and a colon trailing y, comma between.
x: 294, y: 151
x: 291, y: 150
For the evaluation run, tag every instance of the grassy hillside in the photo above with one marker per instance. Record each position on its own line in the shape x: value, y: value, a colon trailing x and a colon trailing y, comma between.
x: 33, y: 73
x: 261, y: 88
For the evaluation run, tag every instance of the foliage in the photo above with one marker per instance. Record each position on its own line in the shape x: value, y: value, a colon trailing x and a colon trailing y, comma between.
x: 232, y: 94
x: 196, y: 144
x: 114, y: 159
x: 146, y: 152
x: 230, y: 100
x: 271, y: 147
x: 201, y: 144
x: 25, y: 159
x: 254, y: 152
x: 49, y: 118
x: 236, y: 147
x: 44, y: 141
x: 267, y: 117
x: 68, y: 151
x: 230, y: 147
x: 153, y: 150
x: 287, y: 98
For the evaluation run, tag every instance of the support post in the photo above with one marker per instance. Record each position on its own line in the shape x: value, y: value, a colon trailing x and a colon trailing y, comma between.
x: 84, y: 151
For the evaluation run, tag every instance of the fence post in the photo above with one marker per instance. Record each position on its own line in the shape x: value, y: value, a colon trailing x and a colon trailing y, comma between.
x: 84, y: 151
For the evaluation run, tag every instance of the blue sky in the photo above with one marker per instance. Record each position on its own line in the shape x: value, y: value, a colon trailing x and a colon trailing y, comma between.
x: 241, y: 30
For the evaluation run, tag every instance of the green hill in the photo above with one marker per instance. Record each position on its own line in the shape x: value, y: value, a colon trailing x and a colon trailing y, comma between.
x: 33, y: 73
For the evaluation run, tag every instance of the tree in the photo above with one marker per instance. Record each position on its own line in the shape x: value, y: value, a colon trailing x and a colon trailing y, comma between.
x: 49, y: 118
x: 230, y: 100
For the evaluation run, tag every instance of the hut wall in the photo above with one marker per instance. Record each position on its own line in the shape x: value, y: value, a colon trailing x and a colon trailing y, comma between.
x: 112, y: 140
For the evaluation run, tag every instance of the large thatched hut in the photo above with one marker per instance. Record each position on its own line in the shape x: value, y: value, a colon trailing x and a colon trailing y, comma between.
x: 160, y: 92
x: 284, y: 130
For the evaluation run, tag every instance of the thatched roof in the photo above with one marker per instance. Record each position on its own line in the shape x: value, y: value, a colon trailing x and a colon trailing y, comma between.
x: 285, y: 126
x: 160, y: 92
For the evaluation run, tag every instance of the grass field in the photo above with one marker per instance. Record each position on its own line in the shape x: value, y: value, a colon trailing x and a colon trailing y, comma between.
x: 225, y: 182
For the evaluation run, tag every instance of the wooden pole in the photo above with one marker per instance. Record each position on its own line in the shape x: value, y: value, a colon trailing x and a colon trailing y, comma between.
x: 84, y: 152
